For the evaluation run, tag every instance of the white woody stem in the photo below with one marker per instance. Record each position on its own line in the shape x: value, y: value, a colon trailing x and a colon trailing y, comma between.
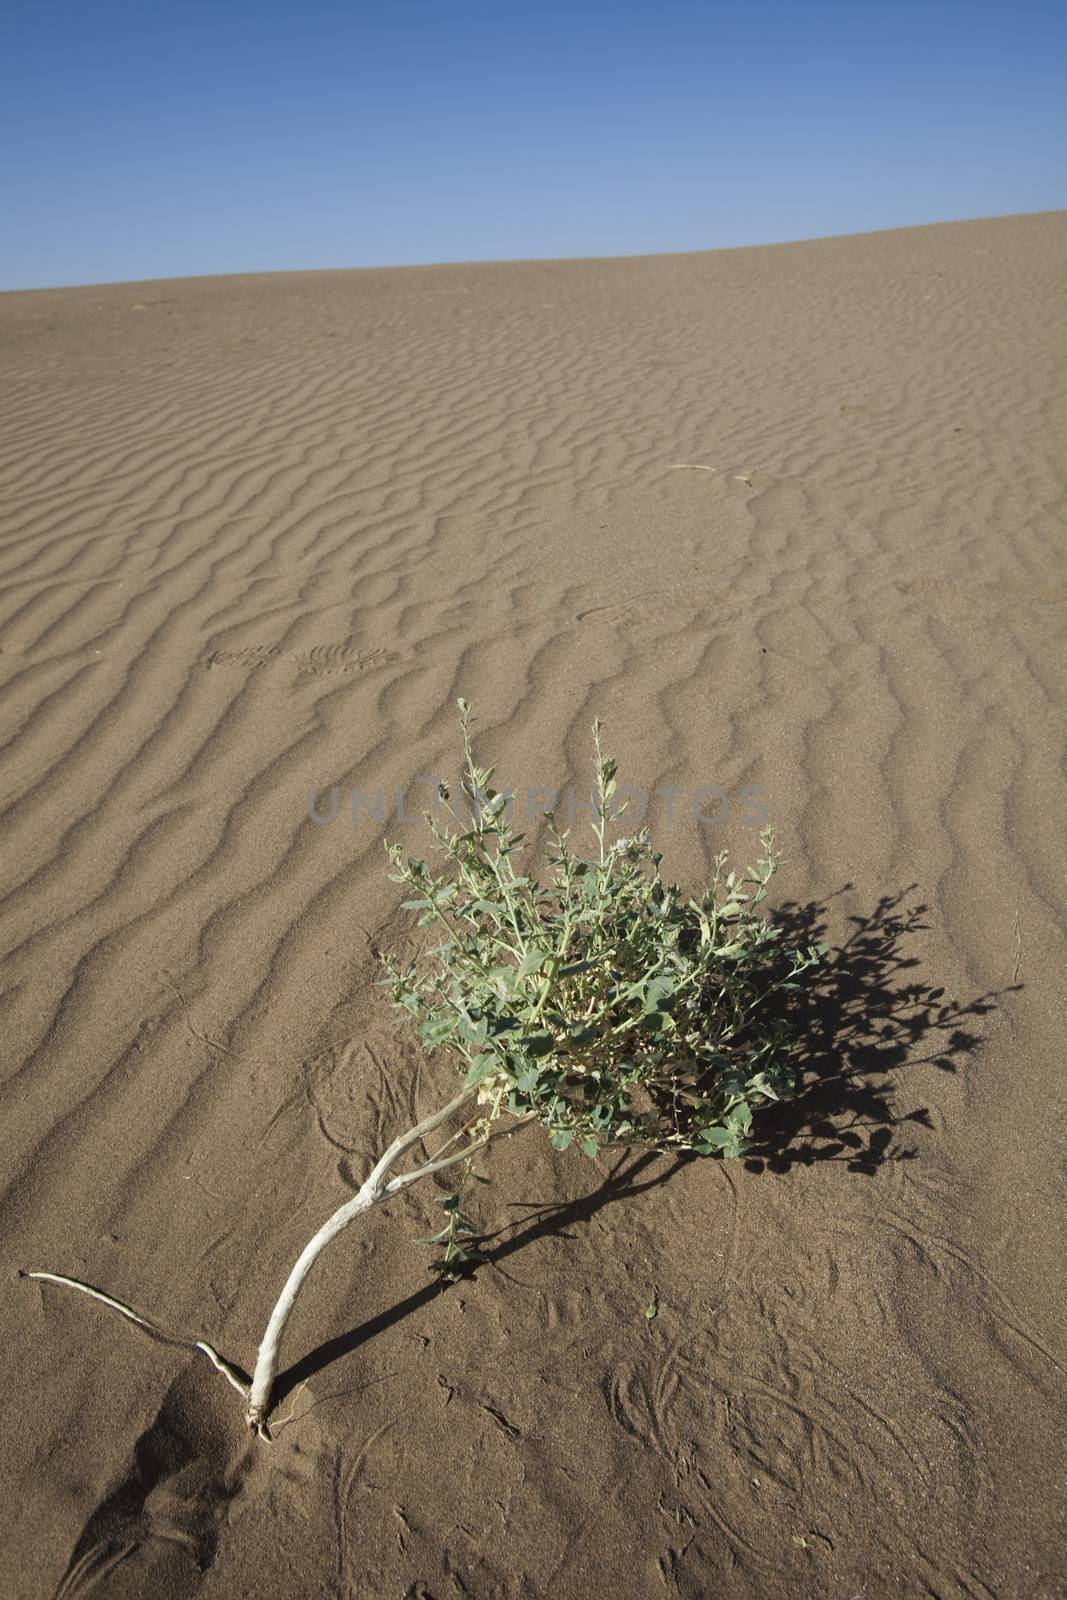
x: 376, y: 1188
x: 373, y: 1190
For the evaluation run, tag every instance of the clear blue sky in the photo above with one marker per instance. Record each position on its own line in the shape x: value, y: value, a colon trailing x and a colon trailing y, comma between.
x: 154, y: 139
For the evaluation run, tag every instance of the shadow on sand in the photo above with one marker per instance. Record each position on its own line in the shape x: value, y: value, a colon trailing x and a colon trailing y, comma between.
x: 862, y: 1019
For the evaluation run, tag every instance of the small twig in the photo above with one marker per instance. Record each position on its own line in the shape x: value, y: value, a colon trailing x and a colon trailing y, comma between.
x: 1018, y: 948
x: 462, y: 1132
x: 407, y: 1178
x: 142, y: 1322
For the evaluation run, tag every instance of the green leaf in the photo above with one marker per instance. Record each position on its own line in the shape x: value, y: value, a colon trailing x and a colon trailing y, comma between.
x: 590, y: 1147
x: 474, y: 1032
x: 479, y: 1070
x: 716, y: 1138
x: 435, y: 1029
x: 532, y: 962
x: 660, y: 989
x: 561, y: 1137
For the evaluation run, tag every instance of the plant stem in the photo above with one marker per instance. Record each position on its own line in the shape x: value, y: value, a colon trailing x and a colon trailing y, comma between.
x: 377, y: 1187
x: 373, y: 1190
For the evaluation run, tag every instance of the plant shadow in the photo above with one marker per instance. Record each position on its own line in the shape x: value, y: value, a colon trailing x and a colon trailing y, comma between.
x: 859, y: 1019
x: 628, y: 1177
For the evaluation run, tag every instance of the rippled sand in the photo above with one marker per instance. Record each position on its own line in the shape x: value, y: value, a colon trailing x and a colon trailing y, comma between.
x: 787, y: 519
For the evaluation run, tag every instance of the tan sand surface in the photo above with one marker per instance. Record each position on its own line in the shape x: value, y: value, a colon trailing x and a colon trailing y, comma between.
x: 789, y: 518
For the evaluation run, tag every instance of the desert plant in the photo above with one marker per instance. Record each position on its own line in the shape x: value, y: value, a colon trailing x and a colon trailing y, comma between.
x: 603, y: 1004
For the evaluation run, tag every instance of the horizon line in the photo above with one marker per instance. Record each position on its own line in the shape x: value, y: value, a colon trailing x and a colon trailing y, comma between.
x: 506, y: 261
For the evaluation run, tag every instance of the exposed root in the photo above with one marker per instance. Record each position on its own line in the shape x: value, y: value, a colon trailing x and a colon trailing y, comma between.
x: 131, y: 1315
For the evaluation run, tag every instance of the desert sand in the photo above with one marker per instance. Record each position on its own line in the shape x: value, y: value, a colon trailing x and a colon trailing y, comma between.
x: 787, y: 519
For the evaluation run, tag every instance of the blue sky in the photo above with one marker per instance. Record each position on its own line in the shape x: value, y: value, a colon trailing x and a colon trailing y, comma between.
x: 145, y: 140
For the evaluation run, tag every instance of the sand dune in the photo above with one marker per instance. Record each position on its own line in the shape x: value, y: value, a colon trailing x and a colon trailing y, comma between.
x: 788, y: 519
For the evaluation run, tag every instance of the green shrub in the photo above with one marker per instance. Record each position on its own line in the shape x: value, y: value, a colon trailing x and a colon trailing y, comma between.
x: 603, y: 1001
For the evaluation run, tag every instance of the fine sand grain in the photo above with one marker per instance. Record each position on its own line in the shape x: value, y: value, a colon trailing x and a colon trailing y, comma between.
x: 786, y: 518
